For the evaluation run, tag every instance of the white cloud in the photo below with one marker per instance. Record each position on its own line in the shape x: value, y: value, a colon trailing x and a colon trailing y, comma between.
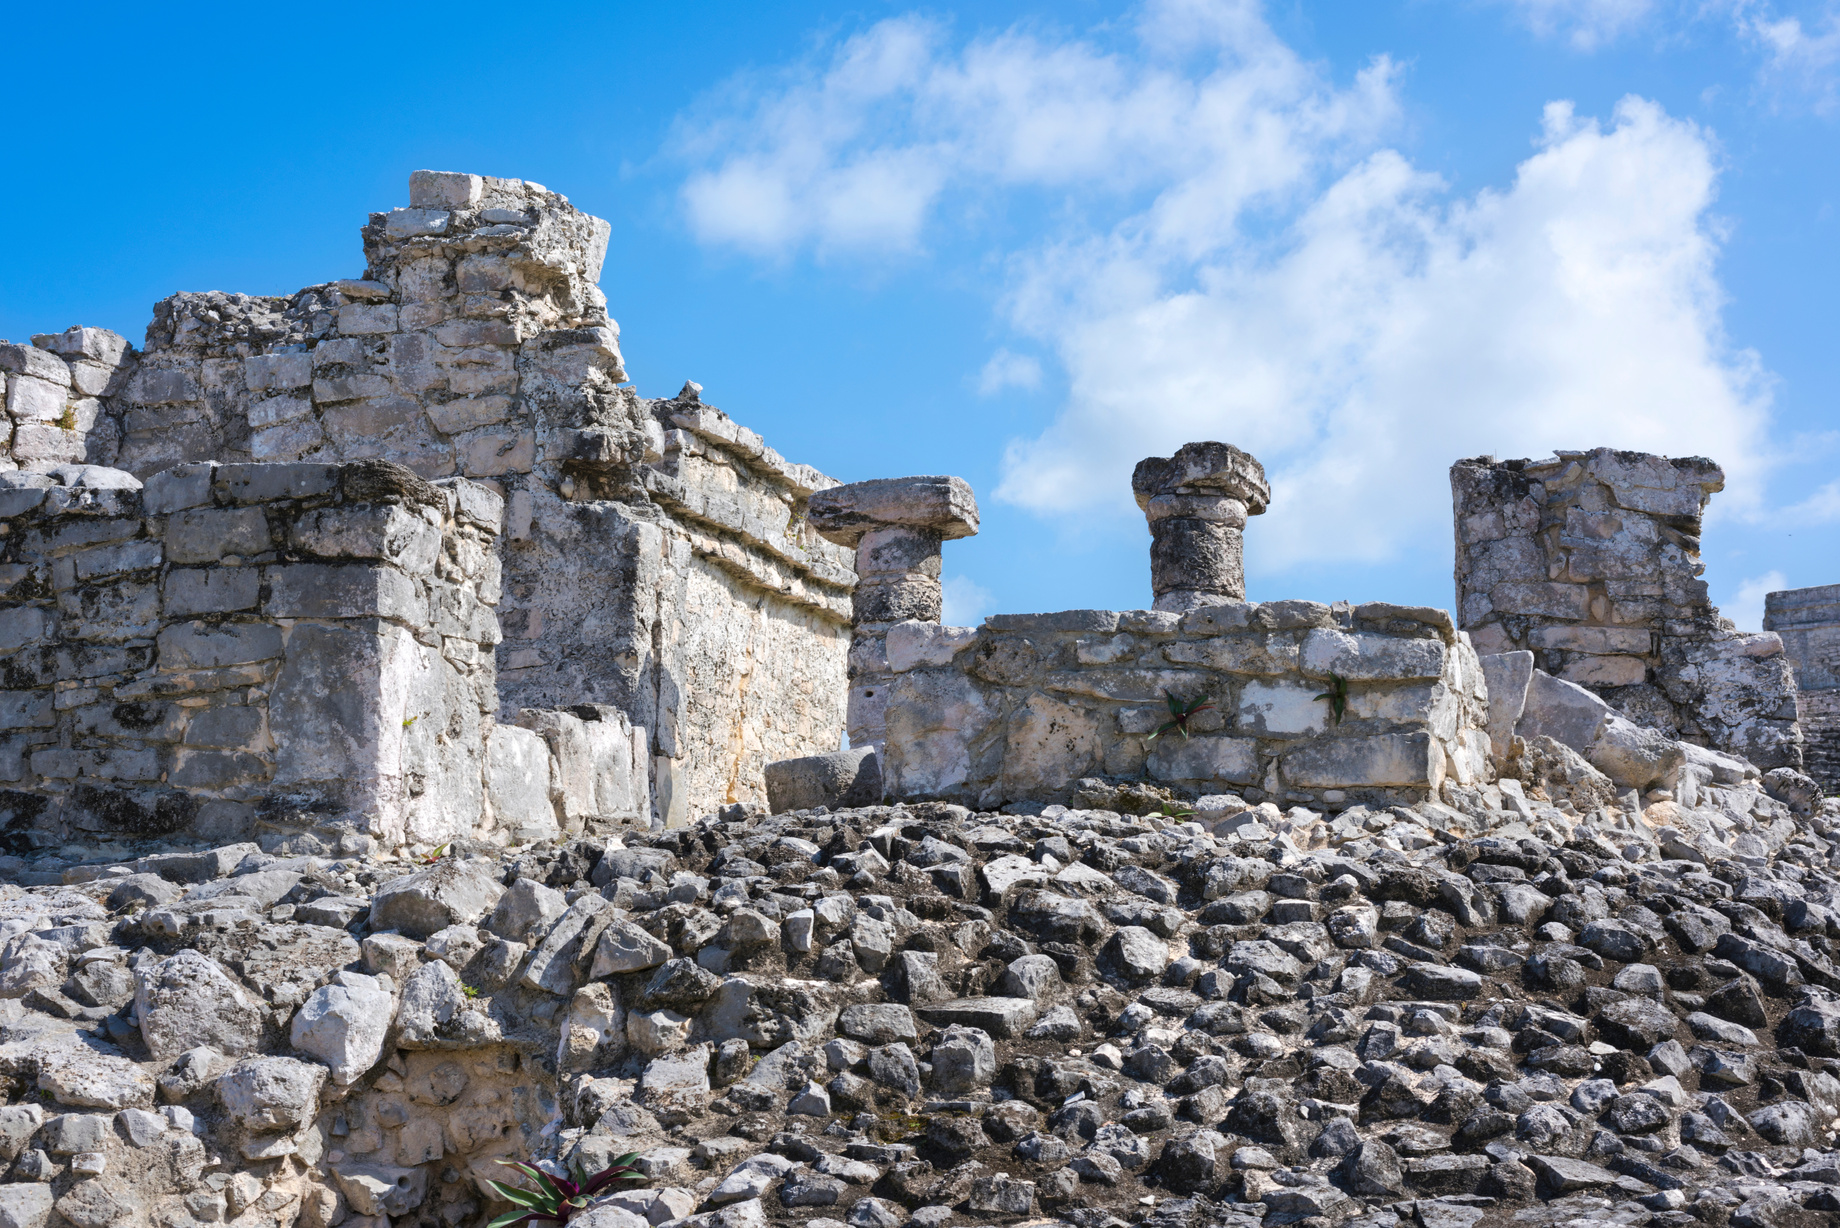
x: 1745, y: 607
x: 967, y: 602
x: 1799, y: 61
x: 855, y: 153
x: 1586, y: 24
x: 1822, y: 507
x: 1237, y: 255
x: 1007, y: 370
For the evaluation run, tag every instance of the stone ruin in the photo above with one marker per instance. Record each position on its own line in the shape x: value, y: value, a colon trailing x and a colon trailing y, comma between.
x: 418, y: 754
x: 1808, y: 620
x: 1590, y: 561
x: 563, y: 590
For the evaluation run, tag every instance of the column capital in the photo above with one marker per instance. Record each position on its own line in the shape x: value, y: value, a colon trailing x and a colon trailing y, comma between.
x: 944, y: 505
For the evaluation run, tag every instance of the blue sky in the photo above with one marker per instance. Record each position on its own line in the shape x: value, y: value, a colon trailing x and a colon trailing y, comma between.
x: 1029, y: 244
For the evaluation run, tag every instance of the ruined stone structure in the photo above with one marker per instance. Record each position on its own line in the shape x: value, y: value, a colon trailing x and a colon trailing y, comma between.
x: 1808, y: 620
x: 1029, y: 706
x: 1197, y: 502
x: 1294, y: 701
x: 1591, y: 561
x: 656, y: 560
x: 239, y: 639
x: 896, y: 526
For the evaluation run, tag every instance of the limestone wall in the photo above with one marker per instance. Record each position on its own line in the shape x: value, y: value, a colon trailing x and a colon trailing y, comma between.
x: 1591, y: 561
x: 299, y: 645
x: 477, y: 343
x: 1026, y: 707
x: 59, y: 396
x: 1808, y: 620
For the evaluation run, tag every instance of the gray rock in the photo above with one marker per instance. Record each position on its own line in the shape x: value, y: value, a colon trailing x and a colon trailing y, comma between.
x: 526, y: 911
x: 877, y: 1024
x: 25, y: 1205
x: 624, y: 947
x: 450, y: 892
x: 344, y: 1024
x: 271, y: 1093
x: 1135, y: 953
x: 187, y: 1000
x: 999, y: 1017
x: 837, y: 780
x: 964, y: 1060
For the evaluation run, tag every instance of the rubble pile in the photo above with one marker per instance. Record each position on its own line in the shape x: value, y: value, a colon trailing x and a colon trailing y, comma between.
x: 1437, y: 1016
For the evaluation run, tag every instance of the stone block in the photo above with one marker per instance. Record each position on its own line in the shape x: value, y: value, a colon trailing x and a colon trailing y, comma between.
x: 22, y: 625
x: 177, y: 488
x: 998, y: 1017
x: 840, y: 779
x: 468, y: 413
x: 280, y: 372
x: 205, y: 535
x: 367, y: 319
x: 1507, y: 675
x: 255, y: 483
x: 37, y: 400
x: 323, y: 590
x: 162, y: 386
x: 518, y: 783
x: 1205, y: 758
x: 210, y: 590
x: 388, y: 531
x: 445, y: 190
x: 1368, y: 657
x: 1398, y: 760
x: 918, y: 645
x: 1605, y: 671
x: 1562, y: 711
x: 33, y: 441
x: 200, y: 645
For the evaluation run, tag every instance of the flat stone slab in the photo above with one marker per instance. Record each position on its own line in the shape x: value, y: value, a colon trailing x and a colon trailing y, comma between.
x: 1000, y: 1017
x: 1563, y: 1175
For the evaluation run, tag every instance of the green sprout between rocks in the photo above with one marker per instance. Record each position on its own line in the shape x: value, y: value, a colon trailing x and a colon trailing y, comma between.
x: 430, y: 858
x: 1337, y: 695
x: 1181, y: 711
x: 556, y: 1200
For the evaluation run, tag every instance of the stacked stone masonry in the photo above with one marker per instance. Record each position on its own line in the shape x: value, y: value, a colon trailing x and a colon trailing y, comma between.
x: 1808, y: 620
x: 1043, y: 707
x: 656, y: 555
x: 240, y: 643
x: 1591, y: 561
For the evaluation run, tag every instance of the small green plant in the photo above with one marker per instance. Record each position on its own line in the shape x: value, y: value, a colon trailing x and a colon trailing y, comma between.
x: 68, y: 419
x: 1337, y: 695
x: 429, y: 859
x: 1174, y: 810
x: 410, y: 720
x: 1181, y: 711
x: 557, y: 1200
x: 471, y: 991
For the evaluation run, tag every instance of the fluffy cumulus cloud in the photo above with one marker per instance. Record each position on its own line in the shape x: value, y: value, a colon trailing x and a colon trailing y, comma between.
x: 1238, y: 254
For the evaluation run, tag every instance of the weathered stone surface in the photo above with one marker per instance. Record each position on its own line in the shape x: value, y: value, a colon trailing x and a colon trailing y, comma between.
x: 840, y: 779
x: 1590, y: 560
x: 344, y: 1025
x: 450, y: 892
x: 188, y: 1000
x: 271, y: 1093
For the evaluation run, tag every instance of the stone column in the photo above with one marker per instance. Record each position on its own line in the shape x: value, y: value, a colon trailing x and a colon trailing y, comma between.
x: 897, y: 526
x: 1197, y: 502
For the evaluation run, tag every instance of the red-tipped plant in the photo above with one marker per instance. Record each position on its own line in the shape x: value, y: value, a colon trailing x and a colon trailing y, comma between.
x: 1181, y: 711
x: 556, y: 1200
